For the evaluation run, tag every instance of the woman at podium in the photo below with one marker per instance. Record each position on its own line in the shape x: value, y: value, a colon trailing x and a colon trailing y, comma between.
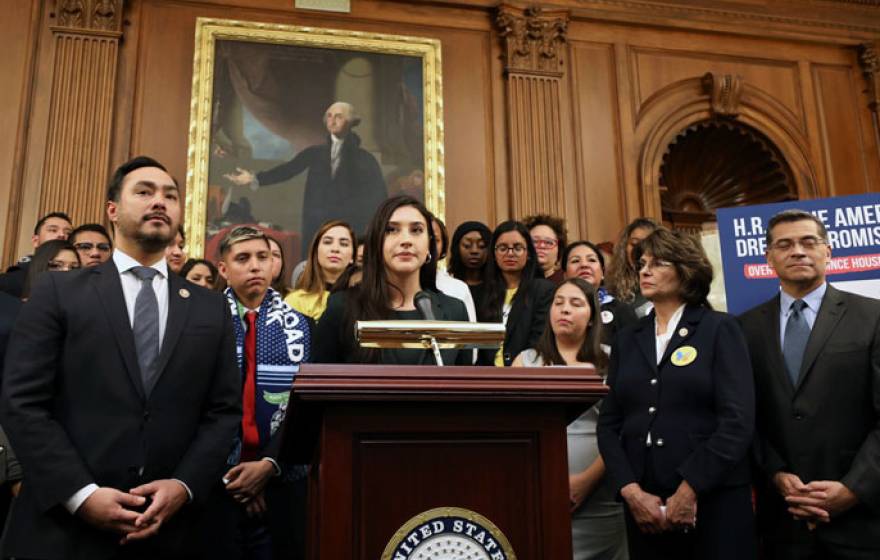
x: 399, y: 263
x: 512, y: 295
x: 677, y: 424
x: 572, y: 338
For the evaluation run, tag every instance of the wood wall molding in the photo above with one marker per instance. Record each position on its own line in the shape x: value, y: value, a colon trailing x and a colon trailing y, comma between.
x: 869, y: 60
x: 683, y: 104
x: 533, y: 47
x: 533, y: 39
x: 724, y: 93
x: 86, y: 42
x: 100, y: 15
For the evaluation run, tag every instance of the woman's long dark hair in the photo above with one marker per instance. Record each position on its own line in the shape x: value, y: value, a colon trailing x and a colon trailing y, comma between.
x: 370, y: 300
x: 623, y: 278
x: 494, y: 287
x: 590, y: 350
x: 192, y: 263
x: 456, y: 267
x: 40, y: 262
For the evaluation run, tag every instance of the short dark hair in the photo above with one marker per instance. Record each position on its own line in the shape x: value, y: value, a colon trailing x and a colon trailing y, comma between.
x: 553, y: 222
x: 585, y: 243
x: 42, y: 220
x: 241, y: 234
x: 794, y: 215
x: 686, y: 254
x: 96, y: 228
x: 114, y: 186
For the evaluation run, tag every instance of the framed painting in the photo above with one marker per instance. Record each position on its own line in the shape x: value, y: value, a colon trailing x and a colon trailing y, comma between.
x: 293, y: 126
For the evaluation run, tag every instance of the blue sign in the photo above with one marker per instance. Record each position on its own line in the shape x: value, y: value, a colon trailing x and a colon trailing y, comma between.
x: 853, y: 224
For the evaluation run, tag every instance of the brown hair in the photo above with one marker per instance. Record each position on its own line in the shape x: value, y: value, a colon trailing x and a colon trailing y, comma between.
x: 686, y: 254
x: 590, y: 350
x: 312, y: 279
x: 552, y: 222
x: 623, y: 278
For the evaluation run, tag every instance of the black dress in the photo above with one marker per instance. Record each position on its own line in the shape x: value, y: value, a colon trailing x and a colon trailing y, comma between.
x: 334, y: 344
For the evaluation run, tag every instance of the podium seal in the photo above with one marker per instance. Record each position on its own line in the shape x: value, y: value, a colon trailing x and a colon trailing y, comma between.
x: 449, y: 533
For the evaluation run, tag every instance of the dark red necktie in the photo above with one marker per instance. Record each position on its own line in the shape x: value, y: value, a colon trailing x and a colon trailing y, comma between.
x: 250, y: 434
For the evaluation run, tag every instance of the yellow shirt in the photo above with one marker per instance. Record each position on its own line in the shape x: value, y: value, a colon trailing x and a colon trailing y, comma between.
x: 508, y: 300
x: 307, y: 303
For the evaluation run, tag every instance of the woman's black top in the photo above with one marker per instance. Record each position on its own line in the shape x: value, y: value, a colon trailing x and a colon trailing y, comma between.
x: 332, y: 343
x: 525, y: 323
x: 615, y: 316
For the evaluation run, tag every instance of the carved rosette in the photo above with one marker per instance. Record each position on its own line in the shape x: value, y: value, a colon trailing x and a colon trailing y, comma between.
x: 533, y: 39
x: 724, y: 93
x: 869, y: 60
x: 82, y: 15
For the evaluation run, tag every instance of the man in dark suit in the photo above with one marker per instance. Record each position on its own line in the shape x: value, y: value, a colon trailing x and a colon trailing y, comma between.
x: 121, y: 393
x: 815, y: 352
x: 344, y: 182
x: 54, y: 225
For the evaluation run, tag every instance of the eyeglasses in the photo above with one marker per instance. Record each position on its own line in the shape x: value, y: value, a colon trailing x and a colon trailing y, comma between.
x: 809, y: 243
x: 62, y: 266
x: 85, y: 246
x: 516, y: 249
x: 545, y: 242
x: 654, y: 264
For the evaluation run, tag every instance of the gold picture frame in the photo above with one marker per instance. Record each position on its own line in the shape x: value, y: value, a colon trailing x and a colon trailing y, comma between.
x: 298, y: 47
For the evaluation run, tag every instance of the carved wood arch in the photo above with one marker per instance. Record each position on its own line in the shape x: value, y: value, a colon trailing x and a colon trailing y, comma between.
x: 717, y: 164
x: 680, y: 105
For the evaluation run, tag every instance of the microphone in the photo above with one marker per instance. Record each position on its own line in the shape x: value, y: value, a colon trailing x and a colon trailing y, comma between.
x: 423, y: 303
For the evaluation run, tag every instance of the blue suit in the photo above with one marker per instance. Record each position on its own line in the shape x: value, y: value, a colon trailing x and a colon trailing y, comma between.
x: 698, y: 405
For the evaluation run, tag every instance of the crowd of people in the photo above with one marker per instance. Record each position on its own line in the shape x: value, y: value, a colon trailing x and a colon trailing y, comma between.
x: 143, y: 392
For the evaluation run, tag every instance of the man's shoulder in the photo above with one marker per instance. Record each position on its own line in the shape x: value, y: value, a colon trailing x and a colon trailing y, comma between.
x: 759, y: 312
x: 863, y: 305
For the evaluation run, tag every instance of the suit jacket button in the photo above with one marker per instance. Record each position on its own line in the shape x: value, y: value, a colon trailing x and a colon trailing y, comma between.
x: 652, y: 410
x: 653, y: 381
x: 798, y: 416
x: 660, y: 442
x: 146, y: 416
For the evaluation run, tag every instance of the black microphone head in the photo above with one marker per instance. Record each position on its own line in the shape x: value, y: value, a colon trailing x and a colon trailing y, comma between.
x: 423, y: 303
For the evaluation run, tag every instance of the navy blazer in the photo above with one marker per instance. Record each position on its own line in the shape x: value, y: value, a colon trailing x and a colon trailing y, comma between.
x: 701, y: 415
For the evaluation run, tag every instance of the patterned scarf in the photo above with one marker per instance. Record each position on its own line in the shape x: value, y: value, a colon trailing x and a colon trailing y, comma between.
x: 283, y: 342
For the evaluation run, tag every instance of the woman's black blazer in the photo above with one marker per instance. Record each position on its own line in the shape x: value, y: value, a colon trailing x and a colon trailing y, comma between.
x: 332, y: 345
x: 526, y: 322
x: 700, y: 413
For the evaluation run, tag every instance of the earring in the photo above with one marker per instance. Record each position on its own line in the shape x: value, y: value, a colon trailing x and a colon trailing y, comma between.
x: 428, y: 259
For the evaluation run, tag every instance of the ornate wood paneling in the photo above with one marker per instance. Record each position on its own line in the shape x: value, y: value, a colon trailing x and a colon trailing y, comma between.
x: 533, y: 46
x: 86, y: 41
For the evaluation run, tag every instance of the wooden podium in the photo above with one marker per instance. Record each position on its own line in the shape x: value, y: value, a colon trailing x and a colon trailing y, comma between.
x: 387, y: 443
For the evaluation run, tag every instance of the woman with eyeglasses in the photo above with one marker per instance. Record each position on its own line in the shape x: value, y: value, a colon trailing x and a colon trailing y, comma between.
x: 400, y: 262
x: 57, y: 255
x: 331, y: 253
x: 676, y: 427
x: 512, y: 295
x: 550, y: 238
x: 583, y: 259
x: 571, y: 338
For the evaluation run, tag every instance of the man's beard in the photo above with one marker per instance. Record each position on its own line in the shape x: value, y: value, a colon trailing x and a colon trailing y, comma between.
x: 149, y: 242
